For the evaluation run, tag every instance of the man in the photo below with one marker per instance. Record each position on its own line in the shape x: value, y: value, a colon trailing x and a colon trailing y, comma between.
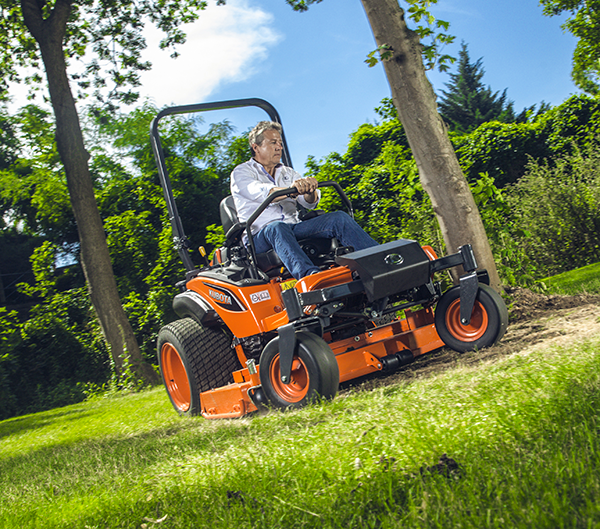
x: 279, y: 227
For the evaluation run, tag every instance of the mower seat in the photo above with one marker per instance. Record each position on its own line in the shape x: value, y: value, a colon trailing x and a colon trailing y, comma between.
x: 319, y: 250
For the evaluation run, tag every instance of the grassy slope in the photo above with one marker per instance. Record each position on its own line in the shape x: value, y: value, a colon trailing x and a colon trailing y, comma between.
x: 524, y: 431
x: 586, y: 279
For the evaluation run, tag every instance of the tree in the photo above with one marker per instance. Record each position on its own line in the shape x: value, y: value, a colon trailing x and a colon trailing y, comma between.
x: 584, y: 24
x: 58, y: 31
x: 468, y: 103
x: 441, y: 176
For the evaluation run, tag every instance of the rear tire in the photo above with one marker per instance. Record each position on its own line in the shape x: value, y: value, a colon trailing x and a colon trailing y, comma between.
x: 489, y: 320
x: 193, y: 359
x: 315, y: 372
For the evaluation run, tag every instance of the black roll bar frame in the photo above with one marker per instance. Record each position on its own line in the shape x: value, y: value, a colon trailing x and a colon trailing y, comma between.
x: 180, y: 240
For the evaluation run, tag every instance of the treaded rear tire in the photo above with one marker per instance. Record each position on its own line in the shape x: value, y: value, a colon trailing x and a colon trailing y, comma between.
x: 193, y: 359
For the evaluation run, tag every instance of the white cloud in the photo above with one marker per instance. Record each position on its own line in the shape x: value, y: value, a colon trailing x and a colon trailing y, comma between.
x: 224, y: 45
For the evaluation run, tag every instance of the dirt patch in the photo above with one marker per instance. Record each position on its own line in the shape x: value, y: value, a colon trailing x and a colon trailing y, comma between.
x: 535, y: 321
x: 524, y: 304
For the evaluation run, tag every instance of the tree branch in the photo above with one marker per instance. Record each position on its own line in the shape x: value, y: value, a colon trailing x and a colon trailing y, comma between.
x: 56, y: 23
x: 32, y: 16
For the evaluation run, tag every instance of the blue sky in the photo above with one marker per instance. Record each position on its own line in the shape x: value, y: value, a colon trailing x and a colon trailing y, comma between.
x: 310, y: 65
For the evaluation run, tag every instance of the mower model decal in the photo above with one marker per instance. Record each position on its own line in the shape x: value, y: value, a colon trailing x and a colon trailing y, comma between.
x: 224, y: 298
x: 257, y: 297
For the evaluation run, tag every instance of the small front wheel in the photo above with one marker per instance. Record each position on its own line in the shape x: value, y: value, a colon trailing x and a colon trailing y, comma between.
x: 315, y: 372
x: 489, y: 320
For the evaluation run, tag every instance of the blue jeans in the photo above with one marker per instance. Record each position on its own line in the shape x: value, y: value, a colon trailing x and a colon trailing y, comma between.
x: 283, y: 238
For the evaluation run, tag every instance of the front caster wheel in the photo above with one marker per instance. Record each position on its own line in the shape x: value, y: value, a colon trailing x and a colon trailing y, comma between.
x: 315, y: 372
x: 489, y: 320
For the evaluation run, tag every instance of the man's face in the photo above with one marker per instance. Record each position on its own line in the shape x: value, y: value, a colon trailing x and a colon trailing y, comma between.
x: 268, y: 153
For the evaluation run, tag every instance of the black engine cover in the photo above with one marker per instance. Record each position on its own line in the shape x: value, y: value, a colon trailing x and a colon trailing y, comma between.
x: 389, y: 268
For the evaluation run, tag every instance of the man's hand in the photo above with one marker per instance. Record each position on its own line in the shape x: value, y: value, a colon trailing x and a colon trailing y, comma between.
x: 307, y: 187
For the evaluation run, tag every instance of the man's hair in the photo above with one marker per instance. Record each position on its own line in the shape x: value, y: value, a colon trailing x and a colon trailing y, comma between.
x: 257, y: 134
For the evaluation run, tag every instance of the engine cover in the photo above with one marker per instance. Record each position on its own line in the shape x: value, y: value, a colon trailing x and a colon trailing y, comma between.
x: 389, y: 268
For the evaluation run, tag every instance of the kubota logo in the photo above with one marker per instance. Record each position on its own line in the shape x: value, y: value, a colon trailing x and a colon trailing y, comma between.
x: 393, y: 259
x: 219, y: 296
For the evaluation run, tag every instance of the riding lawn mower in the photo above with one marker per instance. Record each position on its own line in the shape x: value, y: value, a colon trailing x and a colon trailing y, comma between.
x: 250, y: 336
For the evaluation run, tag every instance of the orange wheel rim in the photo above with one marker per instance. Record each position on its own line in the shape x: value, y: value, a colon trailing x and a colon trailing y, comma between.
x: 175, y: 375
x: 297, y: 389
x: 476, y: 327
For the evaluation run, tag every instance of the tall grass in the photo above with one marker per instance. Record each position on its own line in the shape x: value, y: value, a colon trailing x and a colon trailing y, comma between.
x: 523, y: 430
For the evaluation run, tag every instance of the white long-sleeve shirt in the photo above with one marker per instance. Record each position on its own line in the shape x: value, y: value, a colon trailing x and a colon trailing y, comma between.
x: 250, y: 186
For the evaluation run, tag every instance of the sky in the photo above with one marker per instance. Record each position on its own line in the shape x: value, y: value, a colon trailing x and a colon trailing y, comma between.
x: 311, y: 67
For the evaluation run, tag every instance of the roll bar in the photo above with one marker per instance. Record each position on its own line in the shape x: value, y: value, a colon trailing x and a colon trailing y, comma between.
x: 179, y: 238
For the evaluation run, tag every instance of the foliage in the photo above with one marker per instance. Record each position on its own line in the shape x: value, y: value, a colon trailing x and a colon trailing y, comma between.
x: 515, y: 265
x: 137, y: 228
x: 45, y: 359
x: 9, y: 339
x: 467, y: 103
x: 434, y: 30
x: 8, y: 140
x: 572, y: 125
x: 501, y: 150
x: 130, y: 198
x: 379, y: 175
x: 559, y: 206
x: 34, y: 190
x: 584, y: 24
x: 104, y: 37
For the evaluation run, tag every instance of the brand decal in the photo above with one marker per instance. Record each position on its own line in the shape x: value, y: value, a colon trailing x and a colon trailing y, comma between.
x: 224, y: 298
x: 220, y: 297
x: 257, y: 297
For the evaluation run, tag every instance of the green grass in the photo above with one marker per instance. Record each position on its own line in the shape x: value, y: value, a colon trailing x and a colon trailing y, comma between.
x: 524, y: 431
x: 583, y: 280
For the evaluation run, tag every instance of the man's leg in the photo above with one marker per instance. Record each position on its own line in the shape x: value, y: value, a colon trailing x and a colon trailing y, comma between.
x: 337, y: 224
x: 280, y: 237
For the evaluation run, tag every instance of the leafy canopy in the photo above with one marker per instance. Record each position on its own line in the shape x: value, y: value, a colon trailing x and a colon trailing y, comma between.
x: 584, y: 23
x: 104, y: 36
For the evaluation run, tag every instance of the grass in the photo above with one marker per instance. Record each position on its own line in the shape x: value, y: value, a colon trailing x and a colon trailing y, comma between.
x: 583, y: 280
x: 523, y: 430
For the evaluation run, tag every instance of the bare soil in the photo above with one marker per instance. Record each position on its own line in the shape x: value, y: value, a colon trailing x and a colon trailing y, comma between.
x: 535, y: 321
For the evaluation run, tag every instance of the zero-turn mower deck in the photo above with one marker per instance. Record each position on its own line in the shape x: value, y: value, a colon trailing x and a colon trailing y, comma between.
x: 250, y: 336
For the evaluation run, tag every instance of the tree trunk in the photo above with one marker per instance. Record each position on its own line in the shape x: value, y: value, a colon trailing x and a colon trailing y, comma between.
x: 49, y: 34
x: 2, y: 295
x: 415, y: 100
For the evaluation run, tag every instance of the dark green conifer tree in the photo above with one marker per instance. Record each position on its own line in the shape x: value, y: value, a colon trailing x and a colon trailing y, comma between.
x: 468, y: 103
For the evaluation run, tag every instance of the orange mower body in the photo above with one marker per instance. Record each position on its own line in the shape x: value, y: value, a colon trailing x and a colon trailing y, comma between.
x: 250, y: 336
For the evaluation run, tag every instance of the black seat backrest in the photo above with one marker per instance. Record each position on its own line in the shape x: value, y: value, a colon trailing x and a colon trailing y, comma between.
x: 228, y: 213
